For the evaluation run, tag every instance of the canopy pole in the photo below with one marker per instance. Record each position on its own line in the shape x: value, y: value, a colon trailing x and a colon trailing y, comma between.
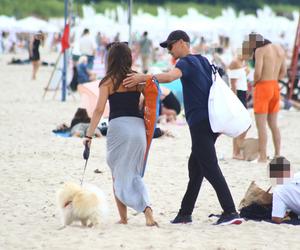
x: 130, y: 22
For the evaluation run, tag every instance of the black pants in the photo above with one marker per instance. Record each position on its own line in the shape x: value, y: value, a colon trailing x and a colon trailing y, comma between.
x: 203, y: 162
x: 242, y: 95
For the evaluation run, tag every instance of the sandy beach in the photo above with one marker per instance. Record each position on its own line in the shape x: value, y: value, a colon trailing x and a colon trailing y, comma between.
x: 34, y: 164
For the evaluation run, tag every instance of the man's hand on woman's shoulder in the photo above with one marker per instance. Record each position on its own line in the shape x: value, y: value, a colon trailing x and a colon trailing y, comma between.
x: 134, y: 79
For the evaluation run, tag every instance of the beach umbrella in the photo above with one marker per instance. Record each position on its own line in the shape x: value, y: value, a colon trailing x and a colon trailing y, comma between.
x: 88, y: 97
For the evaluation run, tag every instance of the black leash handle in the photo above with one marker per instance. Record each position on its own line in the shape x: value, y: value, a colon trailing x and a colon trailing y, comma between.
x: 86, y: 152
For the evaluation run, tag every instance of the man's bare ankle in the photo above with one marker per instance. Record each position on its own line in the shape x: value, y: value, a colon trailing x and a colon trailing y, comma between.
x: 262, y: 159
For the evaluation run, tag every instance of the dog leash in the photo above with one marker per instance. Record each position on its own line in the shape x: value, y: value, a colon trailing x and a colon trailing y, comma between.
x: 86, y: 154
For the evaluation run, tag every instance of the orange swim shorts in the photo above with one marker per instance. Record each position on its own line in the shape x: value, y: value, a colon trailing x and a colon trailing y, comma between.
x: 266, y: 97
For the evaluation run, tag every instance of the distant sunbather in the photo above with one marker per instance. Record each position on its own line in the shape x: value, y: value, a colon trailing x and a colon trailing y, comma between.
x: 83, y: 73
x: 79, y: 125
x: 169, y: 106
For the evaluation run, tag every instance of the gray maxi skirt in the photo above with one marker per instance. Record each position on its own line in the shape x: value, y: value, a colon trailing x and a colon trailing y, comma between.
x: 126, y: 146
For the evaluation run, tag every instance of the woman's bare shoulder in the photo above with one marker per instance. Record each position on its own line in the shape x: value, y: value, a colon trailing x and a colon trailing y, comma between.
x: 107, y: 83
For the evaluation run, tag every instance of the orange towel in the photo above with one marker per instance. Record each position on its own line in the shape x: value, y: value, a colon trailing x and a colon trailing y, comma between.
x: 266, y: 97
x: 152, y: 95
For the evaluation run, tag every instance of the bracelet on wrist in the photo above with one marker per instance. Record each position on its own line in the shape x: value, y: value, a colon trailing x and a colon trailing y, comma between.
x: 88, y: 137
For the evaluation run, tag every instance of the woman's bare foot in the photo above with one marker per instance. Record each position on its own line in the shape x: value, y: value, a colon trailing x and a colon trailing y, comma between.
x: 150, y: 222
x: 122, y: 221
x: 122, y: 211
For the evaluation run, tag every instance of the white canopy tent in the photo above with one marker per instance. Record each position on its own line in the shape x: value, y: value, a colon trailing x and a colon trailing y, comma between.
x: 7, y: 23
x: 33, y: 24
x: 236, y: 26
x: 29, y: 24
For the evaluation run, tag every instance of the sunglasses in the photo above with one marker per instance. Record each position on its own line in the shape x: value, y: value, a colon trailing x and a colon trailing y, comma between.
x: 170, y: 45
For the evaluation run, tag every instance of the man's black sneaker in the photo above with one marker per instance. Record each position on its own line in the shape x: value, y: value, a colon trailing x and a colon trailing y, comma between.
x: 182, y: 219
x: 228, y: 219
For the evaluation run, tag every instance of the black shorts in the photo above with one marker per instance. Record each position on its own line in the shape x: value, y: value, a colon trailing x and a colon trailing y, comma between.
x: 242, y: 95
x: 35, y: 56
x: 171, y: 102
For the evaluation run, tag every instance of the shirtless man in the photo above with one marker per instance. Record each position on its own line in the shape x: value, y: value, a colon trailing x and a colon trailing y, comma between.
x: 269, y: 68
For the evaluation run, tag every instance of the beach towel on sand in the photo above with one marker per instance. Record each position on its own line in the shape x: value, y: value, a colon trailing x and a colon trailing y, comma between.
x: 256, y: 212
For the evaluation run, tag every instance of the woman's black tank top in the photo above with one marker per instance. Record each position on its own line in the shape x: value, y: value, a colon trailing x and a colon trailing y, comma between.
x: 124, y: 104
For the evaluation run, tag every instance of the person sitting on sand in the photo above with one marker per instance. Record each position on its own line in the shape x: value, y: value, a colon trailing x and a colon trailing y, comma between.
x: 286, y: 196
x: 83, y: 73
x: 169, y: 105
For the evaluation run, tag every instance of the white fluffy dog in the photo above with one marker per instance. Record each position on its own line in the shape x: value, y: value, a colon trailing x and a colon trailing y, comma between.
x: 86, y: 204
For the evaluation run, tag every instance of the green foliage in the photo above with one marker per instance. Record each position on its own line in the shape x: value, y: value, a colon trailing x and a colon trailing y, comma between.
x: 40, y: 8
x: 285, y: 8
x: 180, y: 9
x: 249, y: 6
x: 212, y: 8
x: 176, y: 8
x: 107, y: 5
x: 149, y: 8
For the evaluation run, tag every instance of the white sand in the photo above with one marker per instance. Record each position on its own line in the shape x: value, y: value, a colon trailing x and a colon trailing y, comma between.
x: 34, y: 163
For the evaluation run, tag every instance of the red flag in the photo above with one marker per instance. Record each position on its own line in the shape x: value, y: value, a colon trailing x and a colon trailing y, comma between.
x: 65, y: 38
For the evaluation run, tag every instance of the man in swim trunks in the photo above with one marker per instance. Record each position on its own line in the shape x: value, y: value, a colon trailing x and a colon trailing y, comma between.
x: 270, y: 67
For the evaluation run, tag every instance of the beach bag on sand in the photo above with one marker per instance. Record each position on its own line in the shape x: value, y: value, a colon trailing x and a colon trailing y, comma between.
x: 255, y: 194
x: 227, y: 115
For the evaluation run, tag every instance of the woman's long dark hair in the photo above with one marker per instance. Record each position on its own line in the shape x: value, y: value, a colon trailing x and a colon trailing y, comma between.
x: 81, y: 116
x: 119, y: 64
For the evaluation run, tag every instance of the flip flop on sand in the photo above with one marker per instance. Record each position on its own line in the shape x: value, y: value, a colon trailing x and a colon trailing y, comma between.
x: 97, y: 171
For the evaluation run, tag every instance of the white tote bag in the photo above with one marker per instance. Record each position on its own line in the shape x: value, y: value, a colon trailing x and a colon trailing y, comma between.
x: 227, y: 115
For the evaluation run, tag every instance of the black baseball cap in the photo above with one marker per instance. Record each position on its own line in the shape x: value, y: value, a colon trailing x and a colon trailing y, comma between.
x: 175, y: 36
